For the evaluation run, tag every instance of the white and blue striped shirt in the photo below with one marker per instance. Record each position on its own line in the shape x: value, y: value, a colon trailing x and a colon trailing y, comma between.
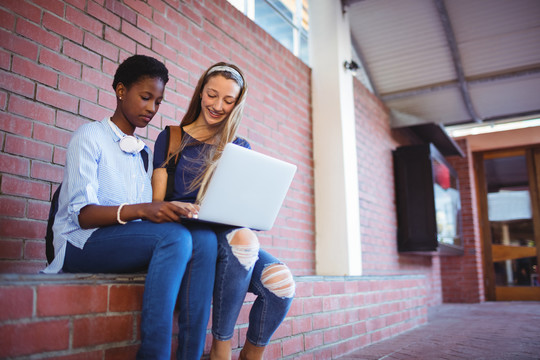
x: 97, y: 172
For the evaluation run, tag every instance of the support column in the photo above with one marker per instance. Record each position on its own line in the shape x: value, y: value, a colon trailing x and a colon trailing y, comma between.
x: 337, y: 210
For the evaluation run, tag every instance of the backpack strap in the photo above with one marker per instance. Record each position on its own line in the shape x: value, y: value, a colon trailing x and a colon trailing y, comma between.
x: 49, y: 236
x: 174, y: 140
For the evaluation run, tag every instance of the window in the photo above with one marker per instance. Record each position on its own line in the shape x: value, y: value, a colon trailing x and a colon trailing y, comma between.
x: 286, y: 20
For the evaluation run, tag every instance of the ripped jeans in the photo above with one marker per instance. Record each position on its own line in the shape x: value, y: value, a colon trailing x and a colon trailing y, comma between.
x: 243, y: 268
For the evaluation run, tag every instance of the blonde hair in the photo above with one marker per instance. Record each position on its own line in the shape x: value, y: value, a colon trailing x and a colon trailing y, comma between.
x: 224, y: 131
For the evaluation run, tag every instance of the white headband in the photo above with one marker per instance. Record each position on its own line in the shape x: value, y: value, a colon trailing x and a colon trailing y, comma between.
x: 227, y: 69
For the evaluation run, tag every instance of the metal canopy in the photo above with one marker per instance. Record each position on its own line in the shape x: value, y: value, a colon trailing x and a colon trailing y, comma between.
x: 450, y: 61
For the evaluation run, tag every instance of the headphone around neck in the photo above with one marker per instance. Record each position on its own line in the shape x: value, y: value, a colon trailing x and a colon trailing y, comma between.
x: 128, y: 143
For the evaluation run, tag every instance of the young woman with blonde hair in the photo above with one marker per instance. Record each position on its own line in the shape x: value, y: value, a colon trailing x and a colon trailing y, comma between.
x: 211, y: 121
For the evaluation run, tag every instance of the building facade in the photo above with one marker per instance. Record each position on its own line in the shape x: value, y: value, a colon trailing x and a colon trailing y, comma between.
x: 336, y: 230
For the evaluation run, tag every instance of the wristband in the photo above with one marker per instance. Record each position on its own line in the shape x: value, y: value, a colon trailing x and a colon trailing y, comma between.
x: 120, y: 221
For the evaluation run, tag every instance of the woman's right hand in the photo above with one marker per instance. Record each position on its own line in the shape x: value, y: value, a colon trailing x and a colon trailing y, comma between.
x: 164, y: 211
x: 94, y: 216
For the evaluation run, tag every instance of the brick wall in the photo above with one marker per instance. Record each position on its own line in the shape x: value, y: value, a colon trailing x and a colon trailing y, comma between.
x: 97, y: 317
x: 463, y: 276
x: 57, y: 59
x: 56, y: 66
x: 378, y: 217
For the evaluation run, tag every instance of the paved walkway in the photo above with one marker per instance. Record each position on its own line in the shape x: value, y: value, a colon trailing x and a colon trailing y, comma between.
x: 491, y: 330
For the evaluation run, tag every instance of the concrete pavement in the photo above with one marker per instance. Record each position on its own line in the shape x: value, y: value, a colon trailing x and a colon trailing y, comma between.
x: 490, y: 330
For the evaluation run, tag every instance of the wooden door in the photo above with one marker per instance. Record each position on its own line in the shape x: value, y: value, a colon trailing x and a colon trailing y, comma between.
x: 509, y: 197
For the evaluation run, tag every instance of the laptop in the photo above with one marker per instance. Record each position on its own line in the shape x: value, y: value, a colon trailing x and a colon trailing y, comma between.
x: 247, y: 189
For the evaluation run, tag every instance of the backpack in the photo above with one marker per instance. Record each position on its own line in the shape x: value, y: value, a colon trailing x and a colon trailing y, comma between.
x: 174, y: 139
x: 49, y: 235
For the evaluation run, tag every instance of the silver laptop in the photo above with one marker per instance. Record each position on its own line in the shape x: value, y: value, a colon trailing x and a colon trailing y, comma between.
x: 247, y: 189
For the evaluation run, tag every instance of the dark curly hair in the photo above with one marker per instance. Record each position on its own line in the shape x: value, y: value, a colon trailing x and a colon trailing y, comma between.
x: 138, y: 66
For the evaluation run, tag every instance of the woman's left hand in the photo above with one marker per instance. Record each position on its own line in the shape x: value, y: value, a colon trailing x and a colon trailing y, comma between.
x: 188, y: 209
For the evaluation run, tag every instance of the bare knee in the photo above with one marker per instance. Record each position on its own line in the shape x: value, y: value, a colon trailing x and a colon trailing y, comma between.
x: 279, y: 280
x: 245, y: 246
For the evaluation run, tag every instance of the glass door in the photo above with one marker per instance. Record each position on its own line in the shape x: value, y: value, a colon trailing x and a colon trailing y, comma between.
x: 508, y: 190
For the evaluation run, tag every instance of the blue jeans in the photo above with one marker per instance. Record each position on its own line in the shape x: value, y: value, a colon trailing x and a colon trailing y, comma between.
x: 232, y: 283
x: 164, y: 250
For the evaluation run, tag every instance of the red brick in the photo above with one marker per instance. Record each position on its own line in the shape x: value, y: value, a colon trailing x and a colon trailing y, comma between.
x: 321, y: 288
x: 33, y: 338
x: 18, y: 45
x: 14, y: 165
x: 15, y: 124
x: 54, y: 6
x: 38, y: 35
x: 313, y: 340
x: 62, y: 27
x: 49, y: 172
x: 188, y: 11
x: 12, y: 206
x: 27, y: 11
x: 312, y: 305
x: 69, y: 121
x: 21, y: 267
x: 330, y: 303
x: 107, y: 100
x: 51, y: 134
x: 121, y: 10
x: 331, y: 336
x: 136, y: 34
x: 293, y: 345
x: 101, y: 47
x: 84, y: 21
x: 140, y: 8
x: 3, y: 99
x: 11, y: 250
x: 98, y: 78
x: 81, y: 54
x: 93, y: 111
x: 71, y: 300
x: 151, y: 27
x: 177, y: 71
x: 26, y: 229
x: 28, y: 148
x: 7, y: 20
x: 126, y: 298
x: 38, y: 210
x: 26, y: 188
x: 121, y: 353
x: 31, y: 109
x: 77, y: 88
x: 167, y: 24
x: 59, y: 156
x: 34, y: 250
x: 321, y: 321
x: 102, y: 330
x: 164, y: 50
x: 60, y: 63
x: 104, y: 15
x: 17, y: 84
x: 120, y: 40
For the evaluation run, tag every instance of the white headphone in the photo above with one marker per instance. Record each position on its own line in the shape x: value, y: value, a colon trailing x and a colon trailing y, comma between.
x: 129, y: 144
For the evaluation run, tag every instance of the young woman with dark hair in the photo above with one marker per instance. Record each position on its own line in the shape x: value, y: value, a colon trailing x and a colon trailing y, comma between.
x: 107, y: 222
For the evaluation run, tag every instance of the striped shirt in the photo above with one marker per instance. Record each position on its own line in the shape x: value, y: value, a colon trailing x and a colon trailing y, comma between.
x: 97, y: 172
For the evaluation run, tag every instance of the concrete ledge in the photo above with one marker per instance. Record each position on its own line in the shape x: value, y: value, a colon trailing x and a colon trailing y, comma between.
x: 84, y: 278
x: 65, y: 278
